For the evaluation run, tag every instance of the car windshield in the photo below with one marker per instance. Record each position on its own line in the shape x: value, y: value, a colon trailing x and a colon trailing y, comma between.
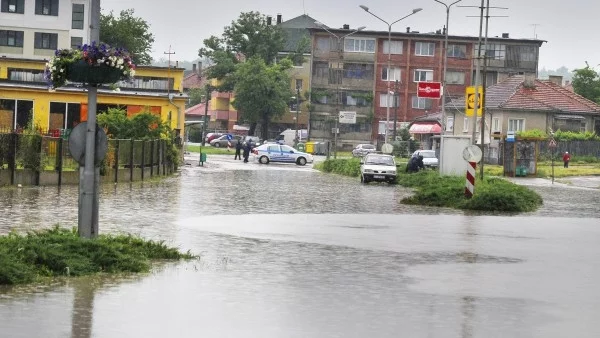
x: 380, y: 160
x: 427, y: 154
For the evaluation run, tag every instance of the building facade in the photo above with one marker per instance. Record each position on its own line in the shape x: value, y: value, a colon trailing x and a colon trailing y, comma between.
x: 359, y: 65
x: 34, y: 29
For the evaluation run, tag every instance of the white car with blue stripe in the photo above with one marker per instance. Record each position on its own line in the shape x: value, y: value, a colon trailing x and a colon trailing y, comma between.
x: 280, y: 153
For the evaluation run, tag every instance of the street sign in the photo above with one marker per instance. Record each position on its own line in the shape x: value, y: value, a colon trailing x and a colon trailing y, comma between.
x: 387, y: 148
x: 77, y: 144
x: 552, y: 144
x: 472, y: 153
x: 431, y: 90
x: 347, y: 117
x: 470, y: 101
x: 510, y: 136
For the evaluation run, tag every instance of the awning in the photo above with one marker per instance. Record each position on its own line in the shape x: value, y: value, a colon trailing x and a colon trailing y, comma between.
x: 425, y: 128
x: 569, y: 117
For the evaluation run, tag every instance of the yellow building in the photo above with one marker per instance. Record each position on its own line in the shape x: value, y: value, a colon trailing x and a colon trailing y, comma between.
x: 24, y: 95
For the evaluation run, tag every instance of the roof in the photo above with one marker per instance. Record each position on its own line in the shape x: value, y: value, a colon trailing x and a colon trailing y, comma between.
x: 295, y: 29
x: 193, y: 80
x: 197, y: 110
x: 541, y: 95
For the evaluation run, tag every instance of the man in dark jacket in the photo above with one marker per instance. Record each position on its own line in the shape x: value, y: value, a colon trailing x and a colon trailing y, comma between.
x: 414, y: 164
x: 247, y: 149
x: 238, y: 150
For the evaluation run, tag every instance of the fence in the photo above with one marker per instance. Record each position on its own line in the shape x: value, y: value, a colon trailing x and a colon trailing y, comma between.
x: 31, y: 159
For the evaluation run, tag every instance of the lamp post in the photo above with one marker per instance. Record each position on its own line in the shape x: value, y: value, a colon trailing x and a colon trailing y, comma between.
x: 339, y: 52
x: 205, y: 124
x: 389, y: 60
x: 444, y: 123
x: 297, y: 138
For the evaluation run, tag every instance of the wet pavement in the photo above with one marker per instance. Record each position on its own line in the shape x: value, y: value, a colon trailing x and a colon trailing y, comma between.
x: 291, y: 252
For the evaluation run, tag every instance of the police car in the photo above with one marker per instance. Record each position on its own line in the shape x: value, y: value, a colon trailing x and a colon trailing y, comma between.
x: 280, y: 153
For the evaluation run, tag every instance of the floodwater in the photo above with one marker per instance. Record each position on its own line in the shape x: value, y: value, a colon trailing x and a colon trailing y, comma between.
x: 290, y: 252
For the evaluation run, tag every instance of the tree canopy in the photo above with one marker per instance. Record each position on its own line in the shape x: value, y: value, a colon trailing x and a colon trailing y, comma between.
x: 262, y: 91
x: 586, y: 82
x: 129, y: 32
x: 247, y: 37
x: 144, y: 125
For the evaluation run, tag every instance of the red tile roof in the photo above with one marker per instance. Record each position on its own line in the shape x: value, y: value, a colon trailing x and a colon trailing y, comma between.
x: 544, y: 95
x: 193, y: 80
x: 197, y: 110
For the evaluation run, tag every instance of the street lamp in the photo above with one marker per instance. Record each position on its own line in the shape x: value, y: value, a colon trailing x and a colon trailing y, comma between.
x: 297, y: 138
x: 339, y: 50
x: 389, y: 60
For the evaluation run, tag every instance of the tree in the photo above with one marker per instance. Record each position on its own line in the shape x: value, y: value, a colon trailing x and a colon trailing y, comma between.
x: 129, y: 32
x: 141, y: 126
x: 247, y: 37
x: 586, y: 82
x: 262, y: 91
x: 196, y: 96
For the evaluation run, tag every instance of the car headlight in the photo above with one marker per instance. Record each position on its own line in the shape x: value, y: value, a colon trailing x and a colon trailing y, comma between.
x: 392, y: 172
x: 368, y: 170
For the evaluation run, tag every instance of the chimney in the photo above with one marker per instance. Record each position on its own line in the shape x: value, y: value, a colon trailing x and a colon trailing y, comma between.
x: 176, y: 64
x: 278, y: 19
x: 199, y: 68
x: 269, y: 20
x: 346, y: 26
x: 444, y: 30
x: 556, y: 79
x: 505, y: 35
x: 529, y: 81
x: 194, y: 68
x: 407, y: 29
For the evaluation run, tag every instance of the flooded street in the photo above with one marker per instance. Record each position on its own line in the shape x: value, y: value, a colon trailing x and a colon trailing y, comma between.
x: 291, y: 252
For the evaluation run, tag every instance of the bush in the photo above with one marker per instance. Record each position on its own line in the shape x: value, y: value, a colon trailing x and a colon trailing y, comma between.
x: 346, y: 167
x: 26, y: 258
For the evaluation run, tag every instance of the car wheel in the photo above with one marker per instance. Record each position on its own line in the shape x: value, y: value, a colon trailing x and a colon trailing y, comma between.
x: 217, y: 144
x: 365, y: 180
x: 301, y: 161
x: 264, y: 160
x: 362, y: 180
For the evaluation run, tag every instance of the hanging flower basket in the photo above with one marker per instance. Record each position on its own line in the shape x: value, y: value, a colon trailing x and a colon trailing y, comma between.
x: 90, y: 64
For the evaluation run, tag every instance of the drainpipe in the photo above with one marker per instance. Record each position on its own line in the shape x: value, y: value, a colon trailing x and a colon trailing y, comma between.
x: 182, y: 134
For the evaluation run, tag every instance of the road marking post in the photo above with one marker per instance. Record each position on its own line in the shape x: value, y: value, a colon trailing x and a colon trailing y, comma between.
x: 470, y: 183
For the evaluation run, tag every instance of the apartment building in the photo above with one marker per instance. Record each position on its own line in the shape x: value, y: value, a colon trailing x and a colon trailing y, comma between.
x: 34, y: 29
x: 353, y: 75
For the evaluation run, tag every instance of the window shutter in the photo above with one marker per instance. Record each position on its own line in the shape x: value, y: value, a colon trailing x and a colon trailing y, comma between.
x: 4, y: 6
x: 54, y: 8
x: 37, y: 43
x: 38, y: 7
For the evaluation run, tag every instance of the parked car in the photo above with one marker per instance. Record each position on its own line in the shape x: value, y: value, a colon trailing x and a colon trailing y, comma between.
x: 222, y: 141
x: 429, y: 158
x: 253, y: 140
x: 211, y: 136
x: 363, y: 149
x: 378, y: 167
x: 280, y: 153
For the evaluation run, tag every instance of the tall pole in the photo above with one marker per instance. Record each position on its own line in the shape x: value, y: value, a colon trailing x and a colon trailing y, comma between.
x: 396, y: 99
x: 205, y: 124
x: 476, y: 106
x: 389, y: 62
x: 89, y: 175
x: 297, y: 112
x: 484, y: 85
x: 169, y: 70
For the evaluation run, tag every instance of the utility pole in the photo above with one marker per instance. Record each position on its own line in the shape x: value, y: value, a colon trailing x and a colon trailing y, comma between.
x: 169, y: 70
x: 484, y: 87
x: 205, y: 124
x: 89, y: 175
x: 477, y: 100
x: 297, y: 112
x: 396, y: 99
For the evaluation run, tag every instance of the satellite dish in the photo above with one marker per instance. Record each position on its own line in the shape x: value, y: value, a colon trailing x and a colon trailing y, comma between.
x: 387, y: 148
x: 77, y: 144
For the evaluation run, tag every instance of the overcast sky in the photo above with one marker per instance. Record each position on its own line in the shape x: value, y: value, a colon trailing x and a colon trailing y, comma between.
x: 567, y: 26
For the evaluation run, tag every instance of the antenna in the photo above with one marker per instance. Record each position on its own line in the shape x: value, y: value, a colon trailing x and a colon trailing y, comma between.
x: 534, y: 29
x: 303, y: 7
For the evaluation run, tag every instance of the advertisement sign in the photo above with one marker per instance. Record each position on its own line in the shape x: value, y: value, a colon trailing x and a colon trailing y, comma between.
x: 347, y: 117
x: 470, y: 101
x: 430, y: 90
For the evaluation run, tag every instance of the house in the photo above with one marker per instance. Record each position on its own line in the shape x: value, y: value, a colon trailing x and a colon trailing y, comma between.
x: 343, y: 73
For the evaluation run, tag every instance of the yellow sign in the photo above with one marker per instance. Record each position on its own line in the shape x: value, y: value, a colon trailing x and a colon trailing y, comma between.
x: 470, y: 101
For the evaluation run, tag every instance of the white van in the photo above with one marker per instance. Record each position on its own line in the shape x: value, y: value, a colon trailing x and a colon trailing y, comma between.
x: 288, y: 136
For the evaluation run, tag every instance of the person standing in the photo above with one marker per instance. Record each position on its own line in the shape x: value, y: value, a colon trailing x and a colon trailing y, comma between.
x: 566, y: 159
x: 247, y: 149
x: 238, y: 150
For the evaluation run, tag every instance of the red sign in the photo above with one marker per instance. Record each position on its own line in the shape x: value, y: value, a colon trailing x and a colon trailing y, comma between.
x: 431, y: 90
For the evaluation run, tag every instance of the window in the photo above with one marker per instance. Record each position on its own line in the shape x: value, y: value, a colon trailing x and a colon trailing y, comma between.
x: 299, y: 84
x: 423, y: 75
x: 321, y: 69
x: 147, y: 82
x: 359, y: 45
x: 11, y: 38
x: 392, y: 100
x: 526, y: 53
x: 455, y: 77
x: 45, y: 41
x: 355, y: 98
x: 392, y: 74
x: 324, y: 44
x: 76, y: 42
x: 496, y: 127
x: 466, y: 125
x: 77, y: 20
x: 449, y: 123
x: 13, y: 6
x: 516, y: 125
x: 457, y: 51
x: 274, y: 148
x: 361, y: 71
x: 26, y: 75
x: 396, y: 47
x: 421, y: 102
x: 424, y: 48
x: 15, y: 114
x: 46, y: 7
x: 492, y: 51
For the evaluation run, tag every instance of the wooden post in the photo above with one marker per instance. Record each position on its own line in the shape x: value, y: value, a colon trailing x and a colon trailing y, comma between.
x: 59, y: 160
x: 117, y: 162
x: 152, y: 158
x: 131, y: 161
x: 143, y: 157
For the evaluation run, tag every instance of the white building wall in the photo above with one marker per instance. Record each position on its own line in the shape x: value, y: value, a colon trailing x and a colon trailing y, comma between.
x: 30, y: 23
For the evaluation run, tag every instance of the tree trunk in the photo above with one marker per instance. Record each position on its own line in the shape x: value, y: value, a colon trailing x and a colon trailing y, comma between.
x: 252, y: 129
x: 265, y: 127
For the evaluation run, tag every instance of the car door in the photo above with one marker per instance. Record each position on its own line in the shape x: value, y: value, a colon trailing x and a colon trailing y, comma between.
x: 274, y: 153
x: 288, y: 154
